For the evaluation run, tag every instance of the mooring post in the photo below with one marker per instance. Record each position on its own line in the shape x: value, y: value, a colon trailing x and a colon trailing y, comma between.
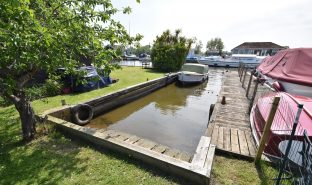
x: 281, y: 170
x: 267, y: 128
x: 249, y: 83
x: 241, y: 73
x: 239, y: 68
x: 244, y: 77
x: 253, y: 95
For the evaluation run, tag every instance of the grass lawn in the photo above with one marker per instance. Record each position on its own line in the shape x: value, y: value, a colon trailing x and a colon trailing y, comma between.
x: 54, y: 159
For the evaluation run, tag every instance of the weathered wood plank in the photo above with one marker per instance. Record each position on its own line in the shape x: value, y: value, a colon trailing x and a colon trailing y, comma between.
x: 146, y: 143
x: 227, y: 139
x: 220, y: 138
x: 201, y: 152
x: 242, y: 143
x: 251, y: 144
x: 215, y: 133
x: 184, y: 156
x: 132, y: 139
x: 234, y: 141
x: 171, y: 152
x: 160, y: 148
x: 209, y: 130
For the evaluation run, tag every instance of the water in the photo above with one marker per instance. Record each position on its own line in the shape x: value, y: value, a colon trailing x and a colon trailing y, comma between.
x: 173, y: 116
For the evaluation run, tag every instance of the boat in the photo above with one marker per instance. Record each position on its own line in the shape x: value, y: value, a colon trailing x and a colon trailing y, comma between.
x: 193, y: 60
x: 283, y: 120
x: 233, y: 61
x: 289, y: 70
x: 193, y: 73
x: 211, y: 60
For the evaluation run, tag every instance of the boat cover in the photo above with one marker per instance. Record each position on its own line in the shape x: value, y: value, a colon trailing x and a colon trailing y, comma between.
x: 197, y: 68
x: 291, y: 65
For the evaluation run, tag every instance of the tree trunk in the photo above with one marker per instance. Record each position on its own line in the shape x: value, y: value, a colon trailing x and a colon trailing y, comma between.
x: 27, y: 116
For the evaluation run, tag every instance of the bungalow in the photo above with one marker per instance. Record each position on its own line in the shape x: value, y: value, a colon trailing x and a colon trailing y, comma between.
x: 258, y: 48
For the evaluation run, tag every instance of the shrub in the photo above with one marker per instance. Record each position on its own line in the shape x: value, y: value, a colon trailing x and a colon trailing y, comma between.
x: 50, y: 88
x: 169, y: 51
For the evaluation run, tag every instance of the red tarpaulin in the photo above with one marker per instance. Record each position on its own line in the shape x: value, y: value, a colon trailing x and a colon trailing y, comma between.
x: 291, y: 65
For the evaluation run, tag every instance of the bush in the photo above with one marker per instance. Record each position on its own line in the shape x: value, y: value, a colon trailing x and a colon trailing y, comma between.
x: 169, y: 51
x: 50, y: 88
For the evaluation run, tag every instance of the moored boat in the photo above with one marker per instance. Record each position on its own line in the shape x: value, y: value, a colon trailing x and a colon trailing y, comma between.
x: 233, y: 61
x: 283, y: 120
x: 193, y: 73
x: 289, y: 70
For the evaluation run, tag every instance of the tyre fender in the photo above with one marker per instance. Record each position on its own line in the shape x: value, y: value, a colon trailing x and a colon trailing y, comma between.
x: 82, y: 114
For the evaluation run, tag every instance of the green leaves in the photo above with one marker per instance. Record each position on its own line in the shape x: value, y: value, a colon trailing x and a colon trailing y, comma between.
x: 170, y: 50
x: 48, y: 34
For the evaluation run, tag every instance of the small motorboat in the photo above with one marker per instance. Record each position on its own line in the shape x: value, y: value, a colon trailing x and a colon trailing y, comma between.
x: 289, y: 70
x: 283, y: 119
x: 193, y: 73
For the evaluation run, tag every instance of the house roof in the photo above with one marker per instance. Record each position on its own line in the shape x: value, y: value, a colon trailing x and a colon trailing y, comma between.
x: 251, y: 45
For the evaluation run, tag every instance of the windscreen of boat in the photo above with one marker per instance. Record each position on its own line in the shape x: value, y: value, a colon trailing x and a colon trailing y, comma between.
x: 194, y: 68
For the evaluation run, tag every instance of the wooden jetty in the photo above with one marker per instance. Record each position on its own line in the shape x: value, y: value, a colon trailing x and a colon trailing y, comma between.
x: 229, y: 126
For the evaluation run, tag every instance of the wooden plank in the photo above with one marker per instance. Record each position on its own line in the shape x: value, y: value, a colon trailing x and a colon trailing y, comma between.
x: 243, y: 143
x: 184, y: 156
x: 227, y: 139
x: 160, y: 148
x: 123, y: 136
x: 234, y: 141
x: 133, y: 139
x: 251, y: 144
x: 209, y: 130
x: 201, y: 152
x: 171, y: 152
x: 215, y: 133
x: 220, y: 138
x: 146, y: 143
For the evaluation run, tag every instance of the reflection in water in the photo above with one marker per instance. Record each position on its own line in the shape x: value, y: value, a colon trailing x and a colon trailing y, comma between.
x: 173, y: 116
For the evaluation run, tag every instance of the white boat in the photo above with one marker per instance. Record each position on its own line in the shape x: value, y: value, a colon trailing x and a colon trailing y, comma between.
x: 193, y: 73
x: 233, y: 61
x: 211, y: 60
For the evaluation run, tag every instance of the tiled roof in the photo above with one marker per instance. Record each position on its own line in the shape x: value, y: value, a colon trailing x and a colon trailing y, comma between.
x: 248, y: 45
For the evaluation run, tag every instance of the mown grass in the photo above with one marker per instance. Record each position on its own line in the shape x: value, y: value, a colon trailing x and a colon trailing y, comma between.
x: 231, y: 170
x: 54, y: 159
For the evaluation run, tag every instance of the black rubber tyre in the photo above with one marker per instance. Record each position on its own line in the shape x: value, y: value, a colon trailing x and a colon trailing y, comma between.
x: 82, y: 114
x: 211, y: 110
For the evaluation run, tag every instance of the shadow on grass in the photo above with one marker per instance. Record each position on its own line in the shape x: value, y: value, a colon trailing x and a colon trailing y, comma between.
x: 129, y: 160
x: 35, y: 162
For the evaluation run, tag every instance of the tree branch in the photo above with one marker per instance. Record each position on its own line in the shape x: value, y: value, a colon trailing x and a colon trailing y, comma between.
x: 22, y: 80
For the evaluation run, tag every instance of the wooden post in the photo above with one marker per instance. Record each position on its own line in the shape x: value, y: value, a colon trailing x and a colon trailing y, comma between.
x: 244, y: 77
x: 249, y: 83
x: 267, y: 128
x: 239, y: 68
x: 241, y: 73
x: 253, y: 95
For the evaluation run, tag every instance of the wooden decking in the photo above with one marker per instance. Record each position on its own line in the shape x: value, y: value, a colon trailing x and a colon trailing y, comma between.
x: 229, y: 126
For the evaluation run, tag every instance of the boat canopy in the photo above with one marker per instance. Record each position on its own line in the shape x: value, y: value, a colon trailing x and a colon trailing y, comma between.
x: 291, y: 65
x: 197, y: 68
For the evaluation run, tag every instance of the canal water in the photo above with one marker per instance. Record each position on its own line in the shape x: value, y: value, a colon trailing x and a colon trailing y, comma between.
x: 174, y: 116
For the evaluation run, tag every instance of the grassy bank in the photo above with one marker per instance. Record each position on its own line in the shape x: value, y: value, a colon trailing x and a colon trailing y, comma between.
x: 54, y: 159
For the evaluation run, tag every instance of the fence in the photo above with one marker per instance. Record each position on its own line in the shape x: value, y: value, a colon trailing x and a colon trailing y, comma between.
x: 278, y: 131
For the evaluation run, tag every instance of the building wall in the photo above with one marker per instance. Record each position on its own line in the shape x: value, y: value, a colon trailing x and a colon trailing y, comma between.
x: 256, y: 51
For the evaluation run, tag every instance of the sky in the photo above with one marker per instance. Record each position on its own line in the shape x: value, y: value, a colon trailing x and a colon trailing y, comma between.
x: 284, y: 22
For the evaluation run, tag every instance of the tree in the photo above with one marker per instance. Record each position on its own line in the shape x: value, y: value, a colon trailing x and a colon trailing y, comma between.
x: 215, y: 44
x: 48, y: 34
x: 198, y: 47
x: 169, y: 51
x: 143, y: 49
